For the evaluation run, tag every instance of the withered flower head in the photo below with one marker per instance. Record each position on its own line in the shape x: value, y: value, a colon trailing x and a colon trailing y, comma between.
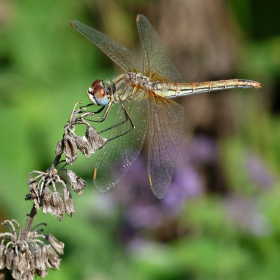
x: 71, y: 143
x: 27, y: 256
x: 44, y: 193
x: 29, y: 253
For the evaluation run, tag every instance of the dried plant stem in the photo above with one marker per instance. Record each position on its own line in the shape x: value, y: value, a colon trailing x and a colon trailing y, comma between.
x: 29, y: 221
x: 27, y: 252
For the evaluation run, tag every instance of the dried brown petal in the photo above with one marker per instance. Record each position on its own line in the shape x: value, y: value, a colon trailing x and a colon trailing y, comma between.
x: 9, y: 258
x: 68, y: 202
x: 59, y: 148
x: 81, y: 183
x: 30, y: 259
x: 40, y: 256
x: 33, y: 192
x: 58, y: 208
x: 96, y: 141
x: 57, y: 245
x: 47, y: 201
x: 42, y: 273
x: 15, y: 261
x: 2, y: 256
x: 15, y: 272
x: 84, y: 146
x: 27, y: 276
x: 70, y: 149
x: 23, y: 264
x: 53, y: 260
x: 77, y: 183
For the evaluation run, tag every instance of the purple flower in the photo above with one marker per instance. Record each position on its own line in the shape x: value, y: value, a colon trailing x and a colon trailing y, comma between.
x: 187, y: 184
x: 244, y: 213
x: 258, y: 171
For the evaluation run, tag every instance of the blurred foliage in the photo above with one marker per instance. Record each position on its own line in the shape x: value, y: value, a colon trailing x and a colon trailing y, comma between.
x: 231, y: 232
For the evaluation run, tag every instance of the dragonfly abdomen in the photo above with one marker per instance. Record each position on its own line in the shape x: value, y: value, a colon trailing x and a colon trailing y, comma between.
x: 171, y: 90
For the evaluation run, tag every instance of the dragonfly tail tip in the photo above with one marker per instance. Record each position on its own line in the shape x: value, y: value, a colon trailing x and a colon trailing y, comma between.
x: 257, y: 85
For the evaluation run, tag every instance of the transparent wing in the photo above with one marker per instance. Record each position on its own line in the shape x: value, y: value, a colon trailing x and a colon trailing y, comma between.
x: 157, y: 65
x: 166, y: 124
x: 122, y: 56
x: 120, y: 153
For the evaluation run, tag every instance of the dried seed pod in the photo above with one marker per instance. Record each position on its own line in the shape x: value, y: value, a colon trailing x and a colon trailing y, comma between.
x: 96, y: 141
x: 47, y: 201
x: 84, y: 146
x: 58, y: 208
x: 68, y: 202
x: 70, y: 149
x: 59, y: 148
x: 56, y: 244
x: 9, y: 258
x: 53, y: 261
x: 77, y: 183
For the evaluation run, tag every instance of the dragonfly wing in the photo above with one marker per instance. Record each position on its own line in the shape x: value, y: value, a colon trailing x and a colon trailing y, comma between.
x: 120, y: 153
x: 166, y: 123
x: 157, y: 65
x: 122, y: 56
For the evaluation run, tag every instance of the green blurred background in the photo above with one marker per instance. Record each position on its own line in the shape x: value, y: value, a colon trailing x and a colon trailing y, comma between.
x: 224, y: 223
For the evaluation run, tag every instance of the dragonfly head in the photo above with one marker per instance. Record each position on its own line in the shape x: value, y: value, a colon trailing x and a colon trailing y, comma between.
x: 98, y: 94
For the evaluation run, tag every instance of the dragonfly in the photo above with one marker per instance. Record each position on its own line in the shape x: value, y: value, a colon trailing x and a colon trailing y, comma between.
x: 143, y: 94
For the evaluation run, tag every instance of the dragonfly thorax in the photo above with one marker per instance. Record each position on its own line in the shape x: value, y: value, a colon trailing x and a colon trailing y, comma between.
x: 139, y: 80
x: 98, y: 93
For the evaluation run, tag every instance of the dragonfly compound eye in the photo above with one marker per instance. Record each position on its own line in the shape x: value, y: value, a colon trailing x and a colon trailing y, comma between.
x: 97, y: 93
x: 91, y: 97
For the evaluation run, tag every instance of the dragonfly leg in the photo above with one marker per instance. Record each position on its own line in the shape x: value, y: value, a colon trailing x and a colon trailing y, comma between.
x: 104, y: 116
x: 96, y: 118
x: 82, y: 108
x: 127, y: 118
